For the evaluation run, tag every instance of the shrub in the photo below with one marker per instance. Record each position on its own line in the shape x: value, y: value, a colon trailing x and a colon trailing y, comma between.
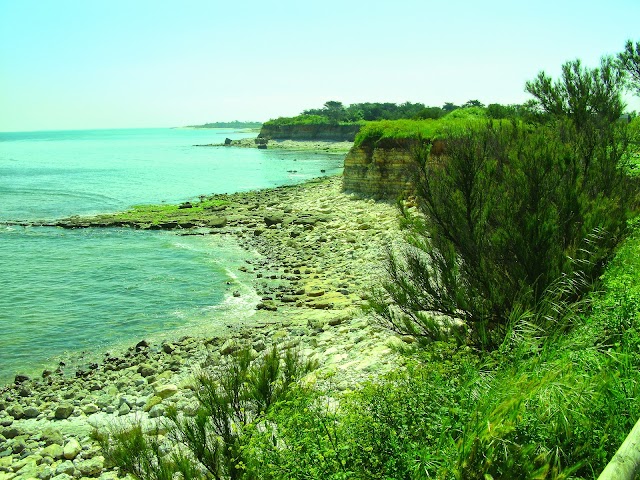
x: 211, y: 442
x: 504, y: 214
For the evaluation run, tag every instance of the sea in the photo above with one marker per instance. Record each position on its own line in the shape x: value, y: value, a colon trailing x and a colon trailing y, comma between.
x: 67, y: 295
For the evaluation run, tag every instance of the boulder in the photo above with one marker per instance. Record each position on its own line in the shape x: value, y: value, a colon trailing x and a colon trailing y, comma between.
x: 63, y: 411
x: 273, y: 219
x: 92, y: 467
x: 51, y: 436
x: 71, y: 449
x: 230, y: 346
x: 31, y: 412
x: 166, y: 391
x: 152, y: 402
x: 217, y: 222
x: 65, y: 468
x: 267, y: 305
x: 21, y: 378
x: 146, y: 370
x: 11, y: 432
x: 54, y: 451
x: 16, y: 411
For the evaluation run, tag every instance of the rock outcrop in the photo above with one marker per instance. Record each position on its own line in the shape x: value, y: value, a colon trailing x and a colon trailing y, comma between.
x: 378, y: 172
x: 329, y: 133
x: 383, y: 170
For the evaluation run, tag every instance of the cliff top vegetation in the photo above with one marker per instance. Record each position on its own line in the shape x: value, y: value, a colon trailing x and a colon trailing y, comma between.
x: 233, y: 124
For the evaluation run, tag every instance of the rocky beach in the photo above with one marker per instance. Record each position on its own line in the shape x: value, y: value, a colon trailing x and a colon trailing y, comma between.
x: 313, y: 253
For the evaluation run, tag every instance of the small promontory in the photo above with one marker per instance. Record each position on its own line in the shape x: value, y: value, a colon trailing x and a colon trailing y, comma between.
x: 309, y: 127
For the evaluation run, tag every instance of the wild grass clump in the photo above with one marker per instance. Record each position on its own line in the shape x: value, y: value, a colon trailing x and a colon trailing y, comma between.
x: 210, y: 443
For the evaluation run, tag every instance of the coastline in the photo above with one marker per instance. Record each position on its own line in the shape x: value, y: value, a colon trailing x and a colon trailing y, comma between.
x: 300, y: 145
x: 313, y: 252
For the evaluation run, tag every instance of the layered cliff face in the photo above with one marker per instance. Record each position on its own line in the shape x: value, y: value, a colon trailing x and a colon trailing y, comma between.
x: 383, y: 173
x: 329, y: 133
x: 384, y: 170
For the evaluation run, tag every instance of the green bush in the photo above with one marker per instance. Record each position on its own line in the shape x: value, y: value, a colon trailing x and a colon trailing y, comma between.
x: 298, y: 120
x: 210, y: 443
x: 505, y: 213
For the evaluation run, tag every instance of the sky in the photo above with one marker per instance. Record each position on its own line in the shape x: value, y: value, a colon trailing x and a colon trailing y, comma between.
x: 81, y: 64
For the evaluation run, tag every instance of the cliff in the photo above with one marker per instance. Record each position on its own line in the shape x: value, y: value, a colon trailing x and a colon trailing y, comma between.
x: 325, y: 132
x: 381, y: 169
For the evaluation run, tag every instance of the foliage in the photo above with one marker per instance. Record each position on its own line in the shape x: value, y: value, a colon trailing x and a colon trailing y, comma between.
x: 511, y: 211
x: 497, y: 111
x: 629, y: 62
x: 210, y: 443
x: 303, y: 119
x: 233, y: 124
x: 590, y: 98
x: 400, y: 131
x: 542, y: 406
x: 473, y: 104
x: 397, y: 428
x: 429, y: 112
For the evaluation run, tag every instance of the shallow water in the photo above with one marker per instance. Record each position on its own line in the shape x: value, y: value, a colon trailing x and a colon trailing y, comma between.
x: 66, y: 291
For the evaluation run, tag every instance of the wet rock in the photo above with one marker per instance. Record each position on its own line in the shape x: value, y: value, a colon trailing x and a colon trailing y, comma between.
x: 21, y: 378
x: 267, y: 305
x: 230, y: 346
x: 217, y: 222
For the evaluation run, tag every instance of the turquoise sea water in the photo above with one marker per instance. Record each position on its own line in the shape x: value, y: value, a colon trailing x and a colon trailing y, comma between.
x: 67, y: 291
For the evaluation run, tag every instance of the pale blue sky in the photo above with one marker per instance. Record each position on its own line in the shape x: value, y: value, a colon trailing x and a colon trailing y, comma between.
x: 68, y: 64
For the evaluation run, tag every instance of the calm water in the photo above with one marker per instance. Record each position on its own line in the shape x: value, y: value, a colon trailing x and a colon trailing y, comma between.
x: 65, y: 291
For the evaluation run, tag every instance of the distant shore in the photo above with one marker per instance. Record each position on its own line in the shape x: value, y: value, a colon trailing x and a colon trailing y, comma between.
x: 316, y: 254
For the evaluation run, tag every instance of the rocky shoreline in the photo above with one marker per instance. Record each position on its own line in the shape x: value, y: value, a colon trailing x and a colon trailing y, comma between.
x: 316, y: 253
x: 322, y: 146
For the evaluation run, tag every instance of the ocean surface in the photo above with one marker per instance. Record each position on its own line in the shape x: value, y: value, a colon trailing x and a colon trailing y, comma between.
x: 65, y: 292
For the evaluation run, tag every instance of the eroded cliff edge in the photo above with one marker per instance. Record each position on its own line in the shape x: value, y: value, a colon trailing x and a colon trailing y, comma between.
x: 324, y: 132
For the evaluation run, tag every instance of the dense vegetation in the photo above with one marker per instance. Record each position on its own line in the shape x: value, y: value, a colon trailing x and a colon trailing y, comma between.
x: 518, y: 273
x: 399, y: 132
x: 334, y: 112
